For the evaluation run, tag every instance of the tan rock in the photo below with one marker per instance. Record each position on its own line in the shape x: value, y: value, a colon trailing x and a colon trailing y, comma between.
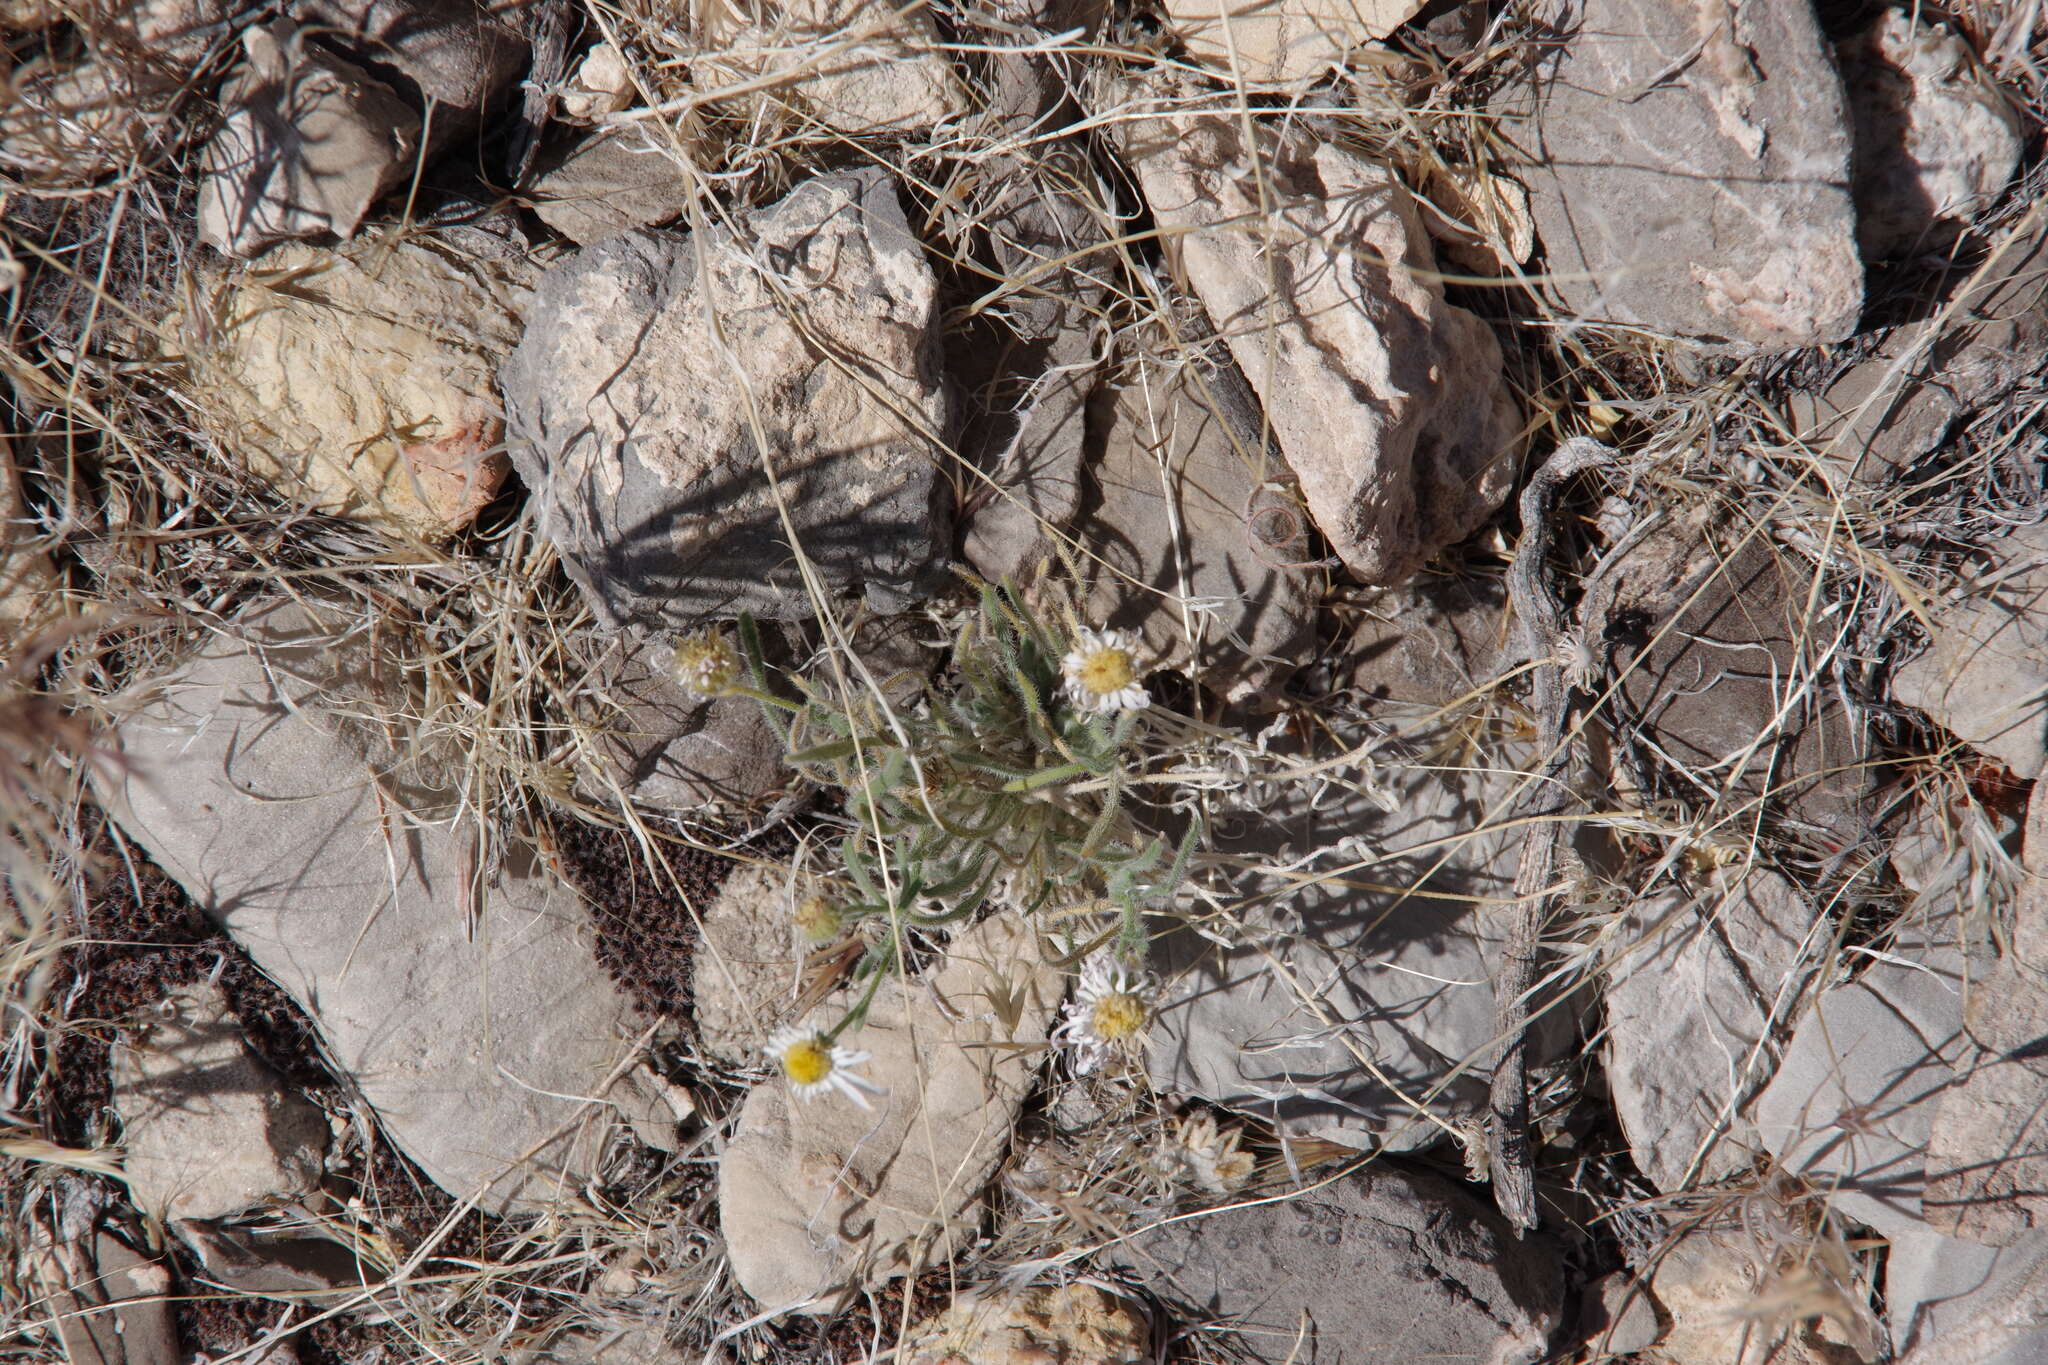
x: 856, y: 66
x: 601, y: 84
x: 71, y: 126
x: 1716, y: 1288
x: 815, y: 1195
x: 308, y: 143
x: 111, y: 1306
x: 1070, y: 1324
x: 210, y: 1131
x: 1936, y: 139
x: 609, y: 184
x: 1388, y: 402
x: 744, y: 976
x: 1281, y: 42
x: 363, y: 380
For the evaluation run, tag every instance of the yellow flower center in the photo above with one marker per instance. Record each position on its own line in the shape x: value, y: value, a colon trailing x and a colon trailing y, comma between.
x: 1107, y: 670
x: 1118, y: 1016
x: 807, y: 1061
x: 707, y: 664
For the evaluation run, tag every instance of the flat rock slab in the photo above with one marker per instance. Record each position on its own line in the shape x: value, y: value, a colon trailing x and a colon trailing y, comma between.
x: 1695, y: 989
x: 1388, y: 402
x: 208, y: 1129
x: 1688, y: 169
x: 1955, y: 1300
x: 819, y: 1195
x: 633, y: 417
x: 1331, y: 980
x: 1710, y: 634
x: 1382, y: 1265
x: 335, y: 866
x: 1984, y: 675
x: 1173, y: 532
x: 1283, y: 42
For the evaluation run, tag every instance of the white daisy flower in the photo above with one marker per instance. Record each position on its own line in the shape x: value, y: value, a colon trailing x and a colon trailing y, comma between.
x: 707, y: 664
x: 813, y: 1064
x: 1112, y: 1004
x: 1101, y: 672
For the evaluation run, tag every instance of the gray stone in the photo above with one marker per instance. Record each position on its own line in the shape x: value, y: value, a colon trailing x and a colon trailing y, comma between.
x: 1388, y: 402
x: 1346, y: 1004
x: 666, y: 747
x: 277, y: 1264
x: 208, y: 1129
x: 1343, y: 1273
x: 633, y: 419
x: 308, y: 143
x: 1695, y: 987
x: 336, y: 862
x: 1936, y: 139
x: 450, y: 58
x: 110, y: 1305
x: 1688, y: 167
x: 1172, y: 542
x: 1876, y: 418
x: 860, y: 67
x: 1619, y: 1316
x: 819, y: 1195
x: 1854, y: 1100
x: 1430, y: 640
x: 1711, y: 636
x: 1282, y: 42
x: 609, y: 184
x: 1984, y: 676
x: 1952, y: 1301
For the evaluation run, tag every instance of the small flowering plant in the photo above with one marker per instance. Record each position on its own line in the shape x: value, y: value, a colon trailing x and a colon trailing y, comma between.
x: 1108, y: 1015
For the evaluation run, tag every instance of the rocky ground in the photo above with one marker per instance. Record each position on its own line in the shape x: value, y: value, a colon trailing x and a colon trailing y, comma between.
x: 1026, y: 681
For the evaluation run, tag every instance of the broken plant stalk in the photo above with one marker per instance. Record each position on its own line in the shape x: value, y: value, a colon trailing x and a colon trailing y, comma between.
x: 1542, y: 639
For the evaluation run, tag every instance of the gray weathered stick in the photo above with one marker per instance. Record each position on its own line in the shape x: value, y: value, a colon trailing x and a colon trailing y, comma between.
x: 1541, y: 625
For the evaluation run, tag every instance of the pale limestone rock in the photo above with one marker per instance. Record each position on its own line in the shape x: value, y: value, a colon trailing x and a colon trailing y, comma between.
x: 633, y: 420
x: 336, y: 861
x: 601, y: 84
x: 1951, y: 1300
x: 1174, y: 541
x: 1688, y: 165
x: 208, y: 1129
x: 745, y: 973
x: 816, y: 1195
x: 1712, y: 1284
x: 1388, y: 402
x: 860, y: 67
x: 363, y: 380
x: 308, y: 143
x: 1069, y: 1324
x: 1695, y: 988
x: 110, y: 1305
x: 1281, y: 42
x: 1936, y: 139
x: 1984, y: 676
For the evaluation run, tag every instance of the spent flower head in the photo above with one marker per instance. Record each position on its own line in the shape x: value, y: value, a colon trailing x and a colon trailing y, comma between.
x: 1100, y: 672
x: 707, y: 664
x: 818, y: 918
x: 1112, y: 1004
x: 813, y: 1064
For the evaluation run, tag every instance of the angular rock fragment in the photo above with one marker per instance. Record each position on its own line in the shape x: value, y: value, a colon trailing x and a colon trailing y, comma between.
x: 1732, y: 1300
x: 111, y: 1306
x: 1989, y: 1147
x: 1688, y: 167
x: 666, y: 747
x: 1430, y: 640
x: 1175, y: 535
x: 608, y: 184
x: 1878, y: 417
x: 451, y: 59
x: 1332, y: 1275
x: 1984, y: 676
x: 209, y: 1130
x: 308, y: 143
x: 601, y: 84
x: 465, y: 1004
x: 1855, y: 1097
x: 363, y: 380
x: 634, y: 419
x: 1695, y: 989
x: 815, y: 1195
x: 1936, y: 139
x: 1281, y: 42
x: 1709, y: 631
x: 1388, y: 402
x: 861, y: 67
x: 1950, y: 1299
x: 294, y: 1267
x: 1350, y: 1002
x: 1069, y: 1324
